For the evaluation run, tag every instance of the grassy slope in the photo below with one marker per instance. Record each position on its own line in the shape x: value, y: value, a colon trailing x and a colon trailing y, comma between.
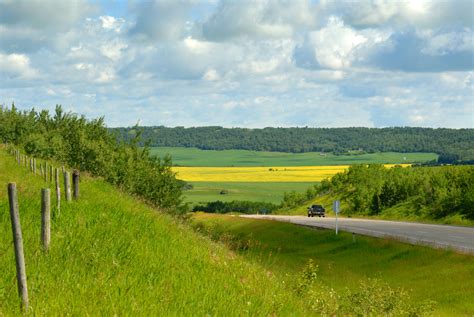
x: 111, y: 254
x: 196, y: 157
x: 267, y: 192
x: 443, y: 276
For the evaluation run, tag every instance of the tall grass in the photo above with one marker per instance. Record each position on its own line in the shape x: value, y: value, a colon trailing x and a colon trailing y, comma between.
x: 347, y: 269
x: 112, y: 254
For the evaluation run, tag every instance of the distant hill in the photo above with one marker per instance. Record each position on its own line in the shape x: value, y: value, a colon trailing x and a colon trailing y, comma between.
x: 451, y: 144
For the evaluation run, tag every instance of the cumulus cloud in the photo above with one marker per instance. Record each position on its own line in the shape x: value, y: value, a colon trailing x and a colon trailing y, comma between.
x: 251, y: 63
x: 16, y: 66
x: 414, y: 13
x: 55, y: 15
x: 258, y: 19
x: 160, y: 20
x: 28, y: 25
x: 336, y: 46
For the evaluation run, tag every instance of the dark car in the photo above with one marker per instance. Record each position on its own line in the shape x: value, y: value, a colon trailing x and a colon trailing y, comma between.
x: 316, y: 210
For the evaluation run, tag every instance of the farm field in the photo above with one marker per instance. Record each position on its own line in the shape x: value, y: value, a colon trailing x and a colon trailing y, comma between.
x: 266, y: 184
x: 438, y: 275
x: 195, y: 157
x: 295, y: 174
x: 262, y: 176
x: 271, y: 192
x: 258, y: 174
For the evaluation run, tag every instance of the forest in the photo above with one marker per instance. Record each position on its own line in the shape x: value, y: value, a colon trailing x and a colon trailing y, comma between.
x: 453, y: 145
x: 90, y: 147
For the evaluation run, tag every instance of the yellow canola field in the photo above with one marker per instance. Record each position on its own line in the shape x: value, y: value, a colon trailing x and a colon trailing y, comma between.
x: 260, y: 174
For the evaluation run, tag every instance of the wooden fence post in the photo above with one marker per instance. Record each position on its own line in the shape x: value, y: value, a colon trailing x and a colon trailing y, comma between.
x: 51, y: 174
x: 18, y: 158
x: 18, y: 243
x: 67, y: 186
x: 58, y: 191
x: 34, y: 166
x: 75, y: 184
x: 45, y: 218
x: 45, y: 171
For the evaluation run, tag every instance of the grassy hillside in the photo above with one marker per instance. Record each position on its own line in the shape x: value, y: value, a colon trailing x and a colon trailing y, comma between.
x: 442, y: 276
x: 195, y: 157
x: 111, y: 254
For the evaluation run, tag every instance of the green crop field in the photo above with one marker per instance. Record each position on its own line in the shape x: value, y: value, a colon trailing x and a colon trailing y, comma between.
x: 196, y: 157
x: 442, y: 276
x: 268, y: 192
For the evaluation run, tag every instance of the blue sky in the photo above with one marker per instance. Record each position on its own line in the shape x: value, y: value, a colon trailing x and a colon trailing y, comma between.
x: 242, y: 63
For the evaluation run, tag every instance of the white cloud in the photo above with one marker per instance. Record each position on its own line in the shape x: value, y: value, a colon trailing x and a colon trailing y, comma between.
x: 418, y: 13
x: 29, y: 25
x: 57, y: 15
x: 211, y: 75
x: 336, y: 46
x: 113, y: 49
x: 252, y: 63
x: 160, y: 20
x: 17, y: 66
x: 258, y: 19
x: 111, y: 23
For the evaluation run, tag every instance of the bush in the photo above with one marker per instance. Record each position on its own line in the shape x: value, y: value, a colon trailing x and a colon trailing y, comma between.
x: 87, y: 145
x: 246, y: 207
x: 372, y: 298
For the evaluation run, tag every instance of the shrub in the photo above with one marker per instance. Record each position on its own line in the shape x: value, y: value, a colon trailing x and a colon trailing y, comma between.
x: 88, y: 145
x: 372, y: 298
x: 246, y: 207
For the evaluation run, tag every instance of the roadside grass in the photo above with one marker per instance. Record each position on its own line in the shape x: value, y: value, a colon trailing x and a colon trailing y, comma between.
x: 113, y: 255
x: 440, y: 275
x: 195, y: 157
x: 272, y: 192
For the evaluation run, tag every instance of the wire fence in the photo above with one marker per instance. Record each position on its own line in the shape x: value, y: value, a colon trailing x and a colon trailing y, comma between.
x: 53, y: 177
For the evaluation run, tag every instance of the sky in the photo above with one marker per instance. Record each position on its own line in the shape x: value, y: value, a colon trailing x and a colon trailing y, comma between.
x: 242, y: 63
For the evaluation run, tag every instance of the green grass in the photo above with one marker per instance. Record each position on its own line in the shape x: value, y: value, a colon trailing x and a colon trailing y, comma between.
x: 196, y: 157
x: 113, y: 255
x: 266, y: 192
x: 439, y: 275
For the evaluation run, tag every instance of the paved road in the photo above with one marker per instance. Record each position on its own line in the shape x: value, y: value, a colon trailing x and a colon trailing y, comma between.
x: 438, y: 236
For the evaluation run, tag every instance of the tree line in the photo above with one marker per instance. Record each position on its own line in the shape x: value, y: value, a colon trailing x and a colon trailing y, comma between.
x: 89, y: 146
x: 423, y: 192
x: 451, y: 144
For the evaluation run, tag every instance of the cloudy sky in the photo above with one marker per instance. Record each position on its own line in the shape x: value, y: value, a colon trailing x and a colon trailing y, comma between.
x: 242, y: 63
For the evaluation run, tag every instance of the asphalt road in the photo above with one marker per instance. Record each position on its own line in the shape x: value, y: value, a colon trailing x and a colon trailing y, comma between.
x: 438, y: 236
